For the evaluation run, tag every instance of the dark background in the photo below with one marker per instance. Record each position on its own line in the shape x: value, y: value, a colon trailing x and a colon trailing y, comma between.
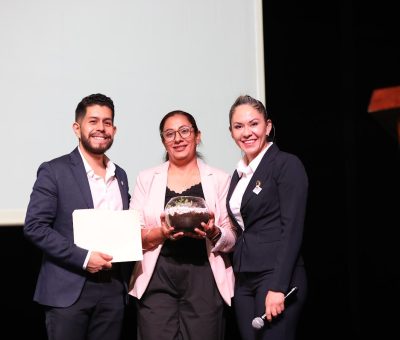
x: 323, y: 60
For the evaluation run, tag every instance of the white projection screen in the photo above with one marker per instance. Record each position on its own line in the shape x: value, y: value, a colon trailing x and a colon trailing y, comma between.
x: 149, y: 56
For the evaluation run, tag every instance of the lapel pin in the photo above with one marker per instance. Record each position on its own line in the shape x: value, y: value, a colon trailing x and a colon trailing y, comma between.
x: 122, y: 183
x: 257, y: 188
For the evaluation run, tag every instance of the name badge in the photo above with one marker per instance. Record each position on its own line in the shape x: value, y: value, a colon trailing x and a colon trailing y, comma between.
x: 257, y: 188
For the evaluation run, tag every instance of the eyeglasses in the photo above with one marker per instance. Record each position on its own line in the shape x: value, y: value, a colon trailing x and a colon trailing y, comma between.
x: 184, y: 132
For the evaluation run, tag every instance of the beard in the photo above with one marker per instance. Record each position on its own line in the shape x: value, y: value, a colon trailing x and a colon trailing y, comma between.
x: 97, y: 150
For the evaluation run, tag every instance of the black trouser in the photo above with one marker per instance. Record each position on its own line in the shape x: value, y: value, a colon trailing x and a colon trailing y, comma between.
x: 249, y: 302
x: 97, y: 314
x: 181, y: 302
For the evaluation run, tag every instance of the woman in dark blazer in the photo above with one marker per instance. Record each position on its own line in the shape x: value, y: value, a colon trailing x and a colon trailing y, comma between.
x: 266, y: 202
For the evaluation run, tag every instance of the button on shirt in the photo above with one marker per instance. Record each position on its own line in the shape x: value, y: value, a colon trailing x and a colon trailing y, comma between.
x: 245, y: 173
x: 105, y: 191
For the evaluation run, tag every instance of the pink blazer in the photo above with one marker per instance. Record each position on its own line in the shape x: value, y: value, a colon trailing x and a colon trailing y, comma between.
x: 148, y: 198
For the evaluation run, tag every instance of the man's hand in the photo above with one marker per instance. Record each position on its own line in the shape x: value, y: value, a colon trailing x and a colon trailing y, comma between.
x: 98, y: 261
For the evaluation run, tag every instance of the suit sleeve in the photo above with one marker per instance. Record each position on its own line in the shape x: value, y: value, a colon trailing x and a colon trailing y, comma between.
x: 138, y: 198
x: 228, y: 236
x: 42, y: 215
x: 292, y: 185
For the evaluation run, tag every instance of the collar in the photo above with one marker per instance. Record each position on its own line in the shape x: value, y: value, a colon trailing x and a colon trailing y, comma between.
x: 246, y: 170
x: 110, y: 166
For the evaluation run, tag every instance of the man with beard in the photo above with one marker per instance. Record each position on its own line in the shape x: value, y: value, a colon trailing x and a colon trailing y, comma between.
x: 82, y: 292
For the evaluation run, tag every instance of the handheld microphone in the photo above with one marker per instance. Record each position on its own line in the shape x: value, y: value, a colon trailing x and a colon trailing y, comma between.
x: 258, y: 322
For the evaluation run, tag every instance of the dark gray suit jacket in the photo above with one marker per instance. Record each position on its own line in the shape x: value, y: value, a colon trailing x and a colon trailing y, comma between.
x: 273, y: 218
x: 61, y: 187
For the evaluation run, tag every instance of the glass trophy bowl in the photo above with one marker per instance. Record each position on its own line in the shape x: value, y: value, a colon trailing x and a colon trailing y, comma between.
x: 185, y: 213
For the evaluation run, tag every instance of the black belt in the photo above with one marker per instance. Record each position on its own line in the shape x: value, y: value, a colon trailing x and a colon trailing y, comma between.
x: 106, y: 275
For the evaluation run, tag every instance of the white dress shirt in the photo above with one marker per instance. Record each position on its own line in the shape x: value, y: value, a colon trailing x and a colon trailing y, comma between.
x: 245, y: 173
x: 105, y: 191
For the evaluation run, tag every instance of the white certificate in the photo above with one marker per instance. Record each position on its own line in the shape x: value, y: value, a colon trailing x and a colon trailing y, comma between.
x: 114, y: 232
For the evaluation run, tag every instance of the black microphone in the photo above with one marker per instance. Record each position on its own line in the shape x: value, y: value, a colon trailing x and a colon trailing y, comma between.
x: 258, y: 322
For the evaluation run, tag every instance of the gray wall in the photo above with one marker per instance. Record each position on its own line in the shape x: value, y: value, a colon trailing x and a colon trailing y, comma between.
x: 150, y: 57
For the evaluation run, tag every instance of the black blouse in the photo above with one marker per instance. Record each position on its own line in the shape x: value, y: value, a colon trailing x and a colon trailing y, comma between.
x: 186, y: 249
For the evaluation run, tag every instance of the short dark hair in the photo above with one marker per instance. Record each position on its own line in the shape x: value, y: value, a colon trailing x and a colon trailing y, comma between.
x: 246, y: 99
x: 93, y: 99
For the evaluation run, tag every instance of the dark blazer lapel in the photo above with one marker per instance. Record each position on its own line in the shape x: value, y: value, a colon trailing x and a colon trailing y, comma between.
x: 80, y: 175
x: 260, y: 174
x: 122, y: 188
x: 234, y: 181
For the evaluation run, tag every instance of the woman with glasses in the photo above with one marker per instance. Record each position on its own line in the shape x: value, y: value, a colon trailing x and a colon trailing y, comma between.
x: 185, y: 278
x: 266, y: 202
